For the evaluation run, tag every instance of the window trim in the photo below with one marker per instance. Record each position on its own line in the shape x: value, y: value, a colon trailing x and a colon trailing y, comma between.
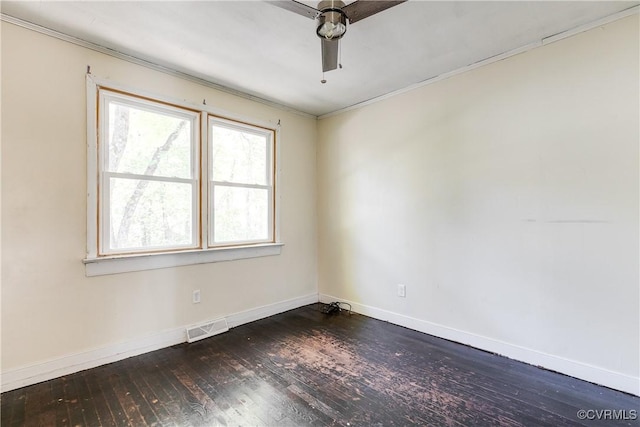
x: 96, y: 264
x: 269, y: 186
x: 107, y: 95
x: 150, y: 261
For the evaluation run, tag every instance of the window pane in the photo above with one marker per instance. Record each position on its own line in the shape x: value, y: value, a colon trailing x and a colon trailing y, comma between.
x: 238, y: 156
x: 240, y: 214
x: 150, y: 214
x: 148, y: 143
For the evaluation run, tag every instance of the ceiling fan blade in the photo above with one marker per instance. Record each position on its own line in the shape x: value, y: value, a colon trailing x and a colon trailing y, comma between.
x: 329, y: 54
x: 361, y: 9
x: 297, y: 7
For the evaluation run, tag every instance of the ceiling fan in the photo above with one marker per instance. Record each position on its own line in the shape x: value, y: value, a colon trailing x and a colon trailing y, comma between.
x: 332, y: 16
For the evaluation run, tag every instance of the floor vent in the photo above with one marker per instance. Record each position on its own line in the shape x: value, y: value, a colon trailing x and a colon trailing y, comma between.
x: 206, y: 329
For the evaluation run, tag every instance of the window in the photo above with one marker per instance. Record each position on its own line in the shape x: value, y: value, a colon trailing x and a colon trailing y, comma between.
x: 241, y: 176
x: 161, y: 182
x: 148, y: 175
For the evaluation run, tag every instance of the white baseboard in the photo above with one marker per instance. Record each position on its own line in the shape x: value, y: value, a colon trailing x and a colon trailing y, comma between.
x: 65, y: 365
x: 594, y: 374
x: 257, y: 313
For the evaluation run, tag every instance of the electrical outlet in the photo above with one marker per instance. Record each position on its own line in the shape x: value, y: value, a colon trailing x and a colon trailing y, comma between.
x: 196, y: 296
x: 402, y: 291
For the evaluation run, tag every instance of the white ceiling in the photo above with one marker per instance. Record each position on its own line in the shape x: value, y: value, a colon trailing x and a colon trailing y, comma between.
x: 271, y: 53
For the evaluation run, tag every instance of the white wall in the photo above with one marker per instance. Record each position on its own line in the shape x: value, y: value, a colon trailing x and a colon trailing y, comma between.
x: 505, y: 199
x: 50, y: 310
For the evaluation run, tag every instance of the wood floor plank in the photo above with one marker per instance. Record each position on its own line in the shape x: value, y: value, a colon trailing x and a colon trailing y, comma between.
x: 139, y: 406
x: 149, y: 398
x: 278, y: 380
x: 219, y: 393
x: 8, y: 404
x: 40, y: 407
x: 111, y: 398
x: 57, y: 392
x: 6, y: 400
x: 304, y: 368
x: 166, y: 393
x: 72, y: 400
x: 103, y: 411
x: 89, y: 411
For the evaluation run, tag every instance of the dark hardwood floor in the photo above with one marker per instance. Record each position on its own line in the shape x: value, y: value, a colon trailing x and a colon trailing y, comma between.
x: 304, y: 368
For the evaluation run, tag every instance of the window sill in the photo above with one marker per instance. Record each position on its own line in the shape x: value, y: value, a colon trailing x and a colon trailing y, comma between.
x: 139, y: 262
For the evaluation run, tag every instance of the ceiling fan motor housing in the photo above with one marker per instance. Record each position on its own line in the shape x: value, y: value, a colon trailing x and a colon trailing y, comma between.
x: 332, y: 22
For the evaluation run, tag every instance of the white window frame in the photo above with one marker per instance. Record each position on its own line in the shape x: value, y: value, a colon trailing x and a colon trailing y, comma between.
x: 104, y: 245
x: 101, y: 262
x: 269, y: 135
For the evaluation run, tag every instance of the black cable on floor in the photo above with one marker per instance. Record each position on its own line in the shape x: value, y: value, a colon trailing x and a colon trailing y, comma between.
x: 335, y: 307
